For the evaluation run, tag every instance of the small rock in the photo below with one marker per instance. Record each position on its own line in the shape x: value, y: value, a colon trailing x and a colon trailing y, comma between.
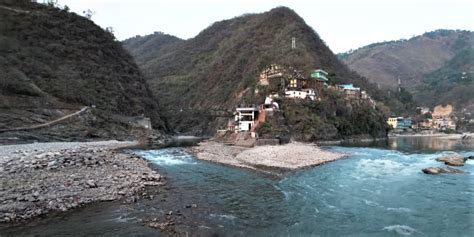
x: 452, y: 160
x: 52, y: 163
x: 436, y: 170
x: 91, y: 183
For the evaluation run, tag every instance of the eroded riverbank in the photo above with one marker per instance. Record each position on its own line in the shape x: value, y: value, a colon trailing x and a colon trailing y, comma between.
x: 40, y: 178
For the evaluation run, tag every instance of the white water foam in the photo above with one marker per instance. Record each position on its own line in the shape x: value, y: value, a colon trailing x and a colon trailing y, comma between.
x: 399, y: 209
x: 371, y: 203
x: 224, y: 217
x: 286, y: 194
x: 122, y: 219
x: 168, y: 157
x: 369, y: 167
x: 401, y: 229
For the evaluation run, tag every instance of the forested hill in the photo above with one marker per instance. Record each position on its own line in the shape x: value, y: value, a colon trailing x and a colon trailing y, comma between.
x: 54, y: 63
x: 145, y: 48
x: 429, y: 66
x: 384, y: 63
x: 219, y: 67
x: 452, y: 84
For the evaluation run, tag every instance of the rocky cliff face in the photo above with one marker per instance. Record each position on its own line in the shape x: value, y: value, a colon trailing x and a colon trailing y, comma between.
x: 219, y: 68
x: 54, y: 63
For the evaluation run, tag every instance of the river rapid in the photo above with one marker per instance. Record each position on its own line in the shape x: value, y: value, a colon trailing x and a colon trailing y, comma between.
x: 379, y: 190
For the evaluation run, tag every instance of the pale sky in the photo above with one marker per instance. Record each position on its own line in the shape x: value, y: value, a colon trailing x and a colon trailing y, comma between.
x: 342, y: 24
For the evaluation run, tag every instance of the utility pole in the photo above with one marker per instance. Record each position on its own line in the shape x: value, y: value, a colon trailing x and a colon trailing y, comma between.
x: 399, y: 85
x: 293, y: 43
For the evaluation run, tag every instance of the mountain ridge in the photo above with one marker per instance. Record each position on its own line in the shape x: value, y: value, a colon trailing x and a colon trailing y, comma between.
x: 54, y: 63
x: 219, y: 68
x: 414, y: 62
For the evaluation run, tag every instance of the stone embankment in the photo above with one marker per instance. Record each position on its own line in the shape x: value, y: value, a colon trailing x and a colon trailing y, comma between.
x: 46, y: 177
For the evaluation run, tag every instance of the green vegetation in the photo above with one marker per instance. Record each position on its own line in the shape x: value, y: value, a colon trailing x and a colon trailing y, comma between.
x: 334, y: 117
x: 51, y: 59
x: 429, y: 67
x: 219, y: 68
x: 453, y: 83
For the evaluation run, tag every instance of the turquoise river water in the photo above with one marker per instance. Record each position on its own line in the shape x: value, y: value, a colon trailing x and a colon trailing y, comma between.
x: 378, y: 190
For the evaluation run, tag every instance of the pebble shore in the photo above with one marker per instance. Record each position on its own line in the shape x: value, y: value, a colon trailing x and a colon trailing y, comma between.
x: 282, y: 157
x: 40, y: 178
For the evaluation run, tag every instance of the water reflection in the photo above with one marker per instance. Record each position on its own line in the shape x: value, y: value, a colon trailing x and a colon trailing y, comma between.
x: 429, y: 144
x: 418, y: 144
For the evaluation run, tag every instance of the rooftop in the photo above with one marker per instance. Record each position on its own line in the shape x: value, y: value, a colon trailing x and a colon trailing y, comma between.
x: 348, y: 87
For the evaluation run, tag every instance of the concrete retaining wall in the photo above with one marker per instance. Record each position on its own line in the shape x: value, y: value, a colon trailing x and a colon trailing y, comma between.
x: 267, y: 142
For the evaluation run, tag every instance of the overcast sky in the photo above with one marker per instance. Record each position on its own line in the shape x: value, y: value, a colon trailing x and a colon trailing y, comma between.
x: 342, y: 24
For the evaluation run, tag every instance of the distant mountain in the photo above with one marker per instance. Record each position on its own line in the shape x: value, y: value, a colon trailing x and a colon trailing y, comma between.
x: 218, y: 69
x: 54, y: 63
x: 145, y: 48
x: 429, y: 66
x: 408, y: 60
x: 453, y: 83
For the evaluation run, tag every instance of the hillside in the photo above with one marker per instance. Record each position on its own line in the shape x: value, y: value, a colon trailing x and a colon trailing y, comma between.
x: 409, y: 60
x: 453, y: 83
x: 218, y: 69
x: 53, y: 63
x: 145, y: 48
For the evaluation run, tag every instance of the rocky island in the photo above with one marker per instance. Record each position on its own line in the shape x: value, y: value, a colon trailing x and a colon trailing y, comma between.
x: 280, y: 157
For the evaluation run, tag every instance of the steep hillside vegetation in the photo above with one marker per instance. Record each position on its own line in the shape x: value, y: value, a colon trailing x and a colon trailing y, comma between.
x: 219, y: 68
x: 54, y: 63
x: 383, y: 63
x: 453, y: 83
x: 145, y: 48
x: 429, y: 66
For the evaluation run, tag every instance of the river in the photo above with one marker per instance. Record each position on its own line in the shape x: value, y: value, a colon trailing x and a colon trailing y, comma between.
x: 379, y: 190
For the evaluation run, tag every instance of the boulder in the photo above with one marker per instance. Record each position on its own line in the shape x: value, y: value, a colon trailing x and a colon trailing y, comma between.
x: 452, y: 160
x: 437, y: 170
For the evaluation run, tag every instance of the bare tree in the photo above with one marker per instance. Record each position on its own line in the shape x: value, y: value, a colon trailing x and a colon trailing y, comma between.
x: 110, y: 29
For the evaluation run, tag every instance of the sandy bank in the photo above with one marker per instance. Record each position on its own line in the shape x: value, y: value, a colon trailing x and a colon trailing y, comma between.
x: 43, y: 177
x: 285, y: 157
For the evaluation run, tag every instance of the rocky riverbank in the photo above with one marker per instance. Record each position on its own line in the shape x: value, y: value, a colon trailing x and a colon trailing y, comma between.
x: 283, y: 157
x: 44, y: 177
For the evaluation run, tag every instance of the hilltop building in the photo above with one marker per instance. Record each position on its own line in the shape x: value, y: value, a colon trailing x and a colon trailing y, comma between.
x: 273, y: 77
x: 319, y: 79
x: 349, y: 90
x: 301, y: 87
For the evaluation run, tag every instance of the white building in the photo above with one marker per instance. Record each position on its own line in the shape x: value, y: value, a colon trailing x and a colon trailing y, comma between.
x: 303, y: 94
x: 270, y: 104
x: 245, y: 118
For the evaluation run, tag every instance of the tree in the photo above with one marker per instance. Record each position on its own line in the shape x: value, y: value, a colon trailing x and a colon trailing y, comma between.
x: 52, y: 3
x: 110, y: 30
